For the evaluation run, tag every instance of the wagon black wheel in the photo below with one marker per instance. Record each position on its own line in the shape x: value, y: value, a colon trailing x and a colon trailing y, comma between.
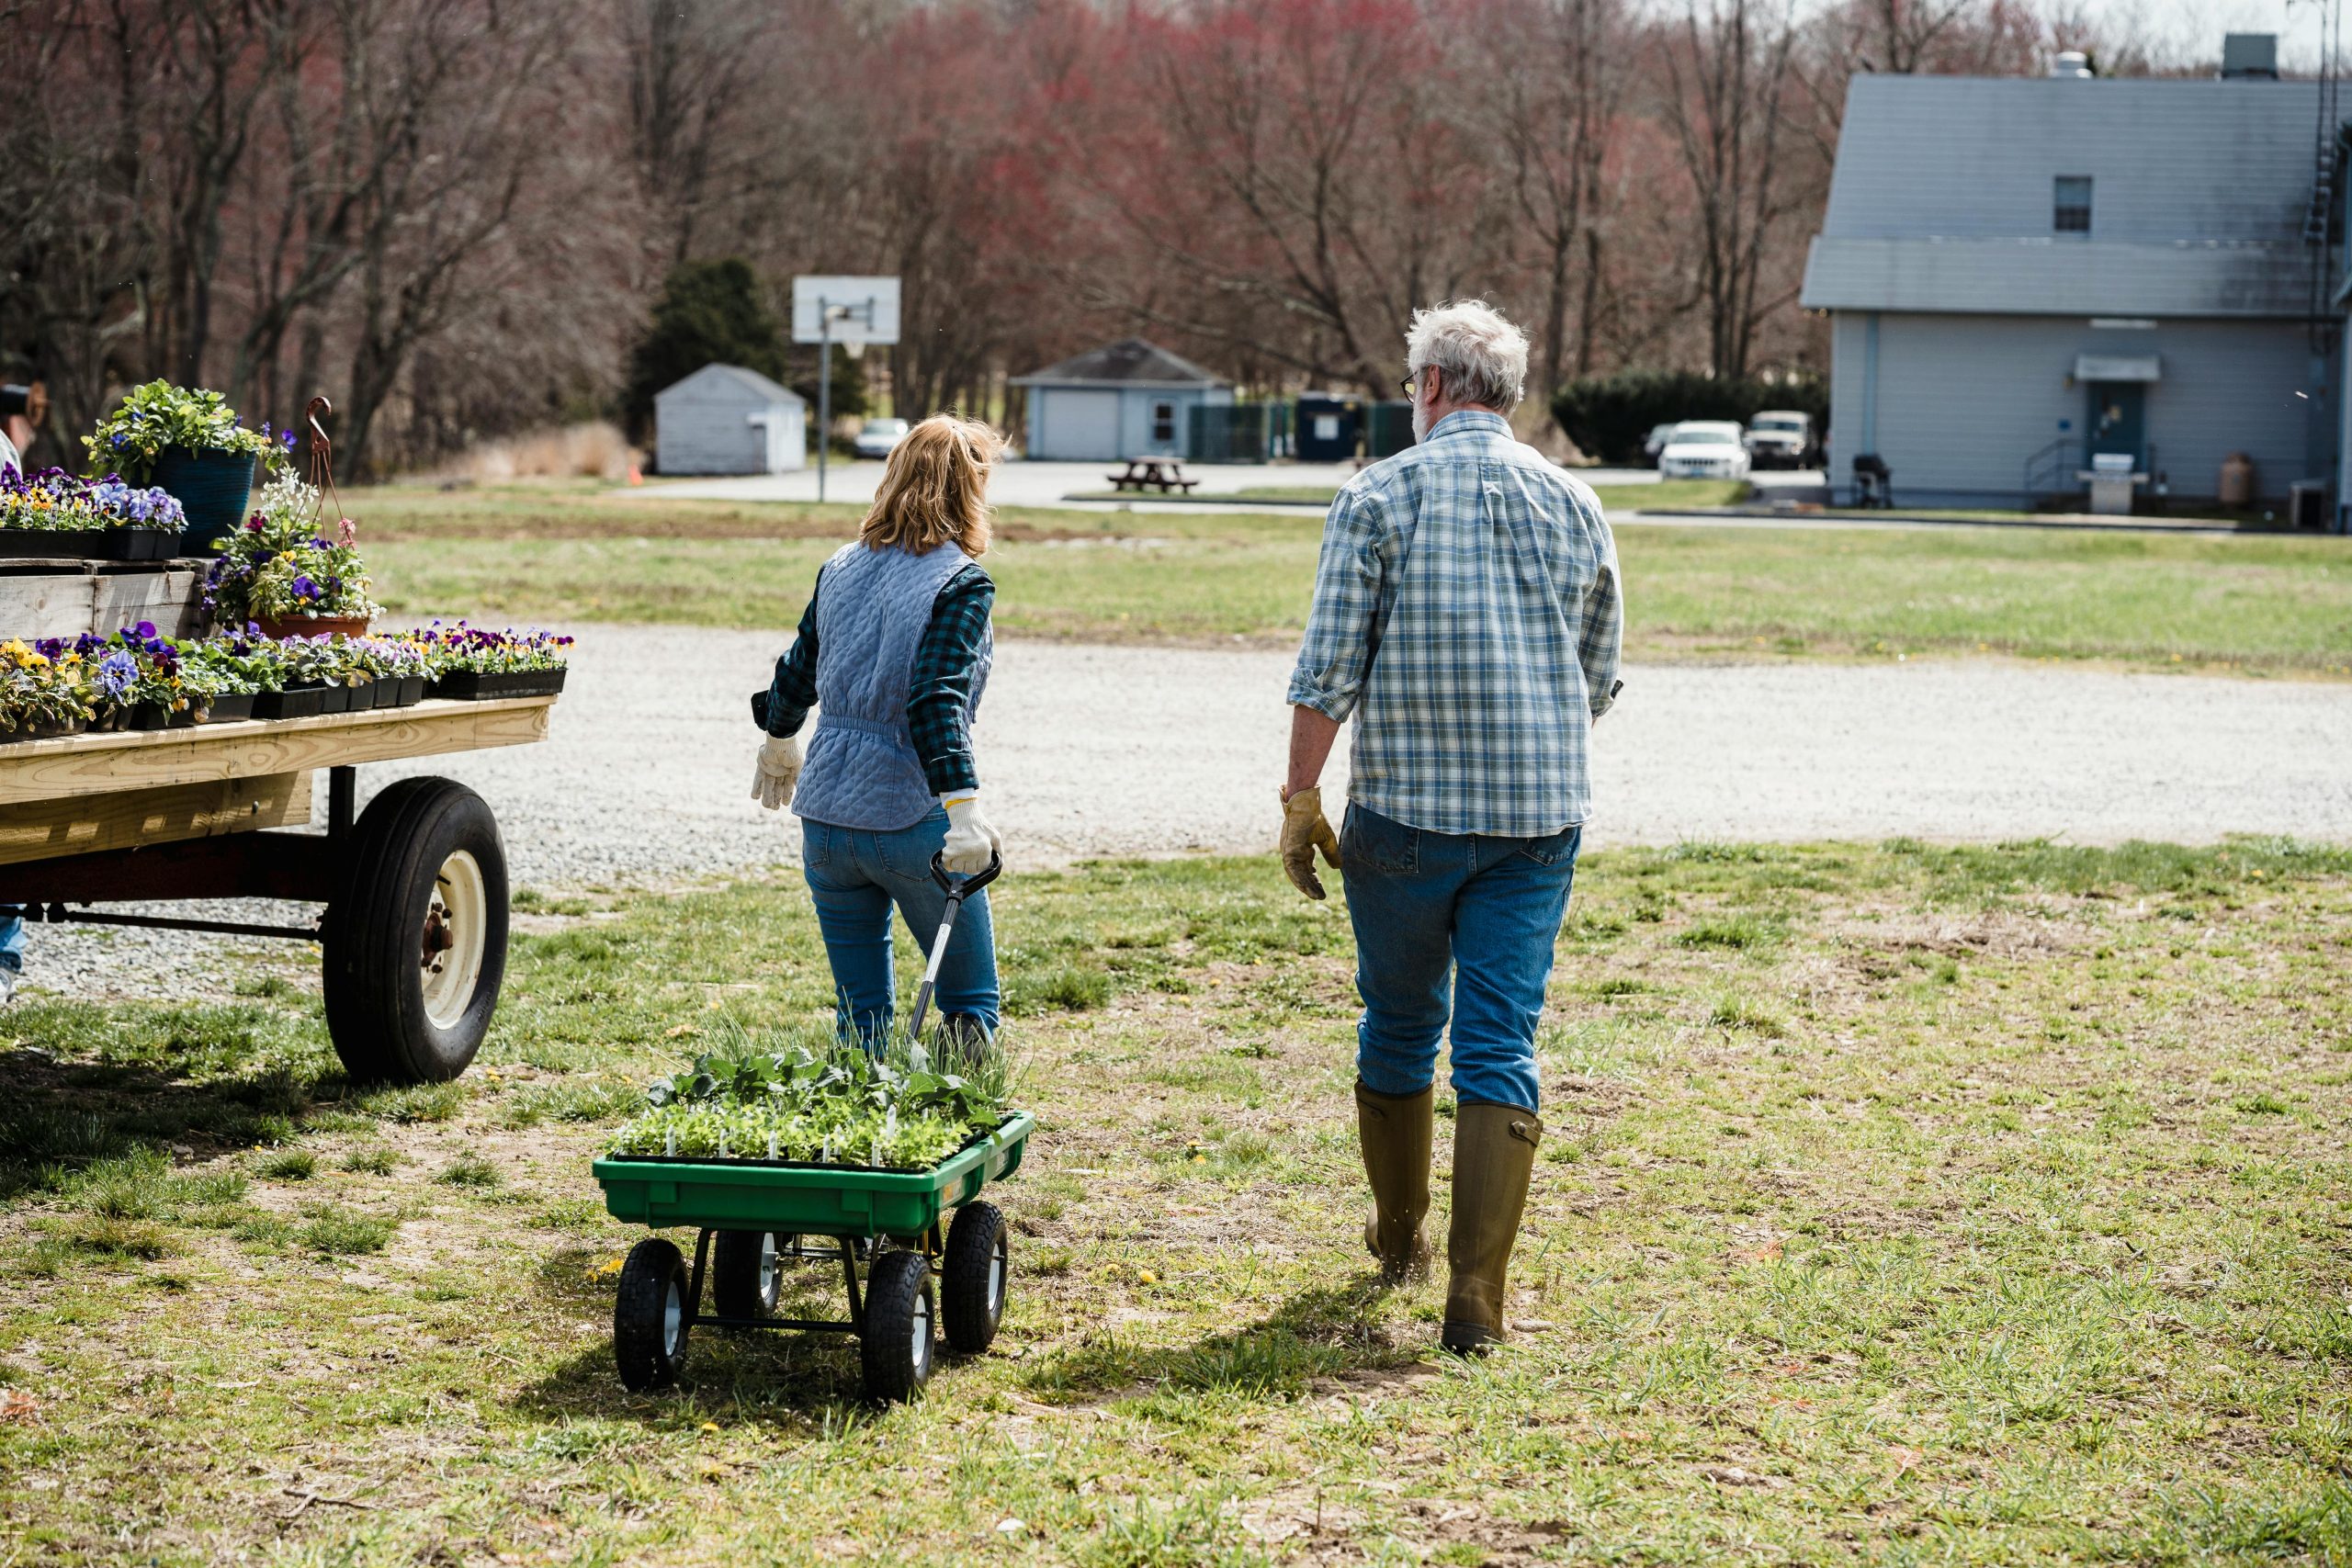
x: 974, y: 1275
x: 417, y: 935
x: 650, y: 1316
x: 745, y: 1279
x: 896, y: 1345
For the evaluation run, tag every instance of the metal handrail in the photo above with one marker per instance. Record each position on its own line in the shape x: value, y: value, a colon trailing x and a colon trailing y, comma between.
x: 2049, y: 463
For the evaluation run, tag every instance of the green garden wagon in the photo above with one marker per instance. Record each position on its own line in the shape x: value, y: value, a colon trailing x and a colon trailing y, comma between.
x: 755, y: 1215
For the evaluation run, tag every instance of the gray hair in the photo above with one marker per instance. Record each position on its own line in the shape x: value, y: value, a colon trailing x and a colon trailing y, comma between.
x: 1481, y: 356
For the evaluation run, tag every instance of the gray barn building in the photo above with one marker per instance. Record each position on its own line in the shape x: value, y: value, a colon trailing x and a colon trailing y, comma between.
x: 724, y: 419
x: 1129, y: 399
x: 2023, y: 275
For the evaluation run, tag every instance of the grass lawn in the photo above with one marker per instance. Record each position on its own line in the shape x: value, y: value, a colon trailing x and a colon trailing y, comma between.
x: 1897, y: 1204
x: 2263, y: 603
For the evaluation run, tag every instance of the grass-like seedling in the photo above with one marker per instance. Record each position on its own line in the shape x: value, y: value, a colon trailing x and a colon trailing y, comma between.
x: 898, y: 1107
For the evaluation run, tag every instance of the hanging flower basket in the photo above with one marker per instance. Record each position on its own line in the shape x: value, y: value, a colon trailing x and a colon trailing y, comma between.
x: 311, y: 625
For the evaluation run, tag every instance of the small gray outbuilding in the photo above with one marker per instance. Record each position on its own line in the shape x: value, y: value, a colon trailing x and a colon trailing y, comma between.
x: 724, y: 419
x: 1129, y: 399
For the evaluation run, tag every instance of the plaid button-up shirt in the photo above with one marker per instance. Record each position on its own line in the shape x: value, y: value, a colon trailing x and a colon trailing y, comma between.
x: 1466, y: 614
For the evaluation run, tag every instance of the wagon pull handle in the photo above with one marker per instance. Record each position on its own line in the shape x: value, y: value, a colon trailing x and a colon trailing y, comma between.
x: 957, y: 889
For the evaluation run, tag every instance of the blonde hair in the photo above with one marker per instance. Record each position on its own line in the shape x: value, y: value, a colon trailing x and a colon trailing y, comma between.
x: 935, y: 488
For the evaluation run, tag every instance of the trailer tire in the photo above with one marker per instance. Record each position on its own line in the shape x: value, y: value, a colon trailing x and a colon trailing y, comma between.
x: 651, y: 1316
x: 974, y: 1276
x: 745, y: 1277
x: 416, y: 936
x: 896, y: 1345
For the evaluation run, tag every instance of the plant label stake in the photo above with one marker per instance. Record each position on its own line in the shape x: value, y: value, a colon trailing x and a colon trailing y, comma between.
x: 957, y: 889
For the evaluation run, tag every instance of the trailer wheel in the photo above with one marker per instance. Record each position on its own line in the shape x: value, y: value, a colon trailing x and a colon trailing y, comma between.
x: 745, y: 1281
x: 416, y: 937
x: 650, y: 1316
x: 973, y: 1277
x: 896, y: 1345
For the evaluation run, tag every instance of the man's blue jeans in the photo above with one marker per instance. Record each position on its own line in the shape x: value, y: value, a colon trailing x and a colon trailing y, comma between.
x: 856, y: 875
x: 1456, y: 923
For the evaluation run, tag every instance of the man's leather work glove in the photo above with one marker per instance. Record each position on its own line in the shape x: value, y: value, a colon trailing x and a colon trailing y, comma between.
x: 1304, y: 830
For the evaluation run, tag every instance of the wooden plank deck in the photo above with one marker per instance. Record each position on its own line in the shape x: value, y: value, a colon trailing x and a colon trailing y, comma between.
x: 68, y: 767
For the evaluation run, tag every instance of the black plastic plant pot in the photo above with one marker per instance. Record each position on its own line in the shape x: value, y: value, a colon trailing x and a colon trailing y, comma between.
x: 470, y: 685
x: 295, y: 702
x: 411, y: 690
x: 212, y: 488
x: 56, y: 543
x: 334, y: 697
x: 43, y: 732
x: 156, y: 715
x: 388, y: 693
x: 143, y: 544
x: 229, y: 707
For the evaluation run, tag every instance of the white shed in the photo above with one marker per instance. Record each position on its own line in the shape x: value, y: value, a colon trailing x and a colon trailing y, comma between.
x: 724, y: 419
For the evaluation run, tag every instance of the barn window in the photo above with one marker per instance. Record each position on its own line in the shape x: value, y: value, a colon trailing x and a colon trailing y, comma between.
x: 1163, y: 424
x: 2070, y: 205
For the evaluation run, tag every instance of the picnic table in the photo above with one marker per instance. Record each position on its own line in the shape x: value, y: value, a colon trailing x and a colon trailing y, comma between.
x: 1164, y: 474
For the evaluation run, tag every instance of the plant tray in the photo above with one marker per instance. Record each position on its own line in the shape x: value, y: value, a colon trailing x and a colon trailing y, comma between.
x: 229, y: 707
x: 43, y: 732
x: 156, y: 715
x: 295, y: 702
x: 89, y: 544
x: 470, y: 685
x: 410, y: 689
x: 808, y: 1199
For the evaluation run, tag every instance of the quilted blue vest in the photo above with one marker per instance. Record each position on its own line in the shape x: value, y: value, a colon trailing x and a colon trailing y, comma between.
x: 872, y: 607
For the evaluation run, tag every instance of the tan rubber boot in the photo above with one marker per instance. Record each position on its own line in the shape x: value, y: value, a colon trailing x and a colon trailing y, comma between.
x: 1494, y: 1155
x: 1395, y: 1132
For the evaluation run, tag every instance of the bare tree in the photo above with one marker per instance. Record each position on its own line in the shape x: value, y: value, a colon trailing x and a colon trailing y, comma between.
x: 1725, y: 71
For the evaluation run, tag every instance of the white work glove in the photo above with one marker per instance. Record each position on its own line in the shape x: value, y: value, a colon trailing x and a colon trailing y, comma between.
x: 778, y: 771
x: 971, y: 841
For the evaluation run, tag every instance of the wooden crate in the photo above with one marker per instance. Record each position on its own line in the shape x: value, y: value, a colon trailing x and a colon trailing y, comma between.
x: 57, y: 598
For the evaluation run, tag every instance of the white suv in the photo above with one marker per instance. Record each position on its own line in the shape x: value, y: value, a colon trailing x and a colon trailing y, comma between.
x: 1704, y: 449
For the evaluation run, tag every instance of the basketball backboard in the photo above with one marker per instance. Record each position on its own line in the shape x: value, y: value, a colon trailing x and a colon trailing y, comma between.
x: 863, y: 309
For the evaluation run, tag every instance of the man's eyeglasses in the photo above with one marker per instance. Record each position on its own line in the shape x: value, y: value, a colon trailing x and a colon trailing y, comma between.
x: 1412, y: 384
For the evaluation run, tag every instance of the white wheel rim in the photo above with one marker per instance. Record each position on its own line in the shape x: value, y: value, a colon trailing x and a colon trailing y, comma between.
x: 456, y: 935
x: 673, y: 1316
x: 996, y: 1278
x: 921, y: 1336
x: 767, y: 1269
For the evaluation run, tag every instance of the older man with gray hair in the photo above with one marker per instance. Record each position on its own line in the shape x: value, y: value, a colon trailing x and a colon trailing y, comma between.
x: 1467, y: 615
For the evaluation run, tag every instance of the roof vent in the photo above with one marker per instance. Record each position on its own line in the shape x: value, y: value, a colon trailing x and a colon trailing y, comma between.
x: 2069, y: 64
x: 2250, y: 55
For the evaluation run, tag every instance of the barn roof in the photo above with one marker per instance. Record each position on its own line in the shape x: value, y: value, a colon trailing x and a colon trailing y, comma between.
x: 1130, y: 362
x: 738, y: 378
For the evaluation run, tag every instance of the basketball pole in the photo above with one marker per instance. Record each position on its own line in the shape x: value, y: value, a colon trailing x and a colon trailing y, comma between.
x: 824, y: 391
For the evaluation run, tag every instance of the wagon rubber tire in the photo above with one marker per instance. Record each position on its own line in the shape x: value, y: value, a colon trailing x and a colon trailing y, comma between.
x: 974, y: 1276
x: 651, y: 1316
x: 746, y: 1279
x: 896, y: 1346
x: 417, y: 935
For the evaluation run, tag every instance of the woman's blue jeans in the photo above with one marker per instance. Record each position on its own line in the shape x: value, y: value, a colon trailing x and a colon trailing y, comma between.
x: 856, y: 876
x: 1456, y: 924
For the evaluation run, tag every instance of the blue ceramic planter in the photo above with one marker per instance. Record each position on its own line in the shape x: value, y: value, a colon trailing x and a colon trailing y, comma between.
x: 212, y: 488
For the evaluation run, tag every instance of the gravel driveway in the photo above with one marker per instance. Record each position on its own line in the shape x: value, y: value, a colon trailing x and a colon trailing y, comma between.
x: 1144, y: 751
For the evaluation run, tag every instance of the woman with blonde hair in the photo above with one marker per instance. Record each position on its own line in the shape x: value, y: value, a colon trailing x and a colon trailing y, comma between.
x: 893, y: 652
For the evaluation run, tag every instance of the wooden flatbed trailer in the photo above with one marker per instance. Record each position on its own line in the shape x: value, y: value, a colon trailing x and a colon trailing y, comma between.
x: 416, y: 890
